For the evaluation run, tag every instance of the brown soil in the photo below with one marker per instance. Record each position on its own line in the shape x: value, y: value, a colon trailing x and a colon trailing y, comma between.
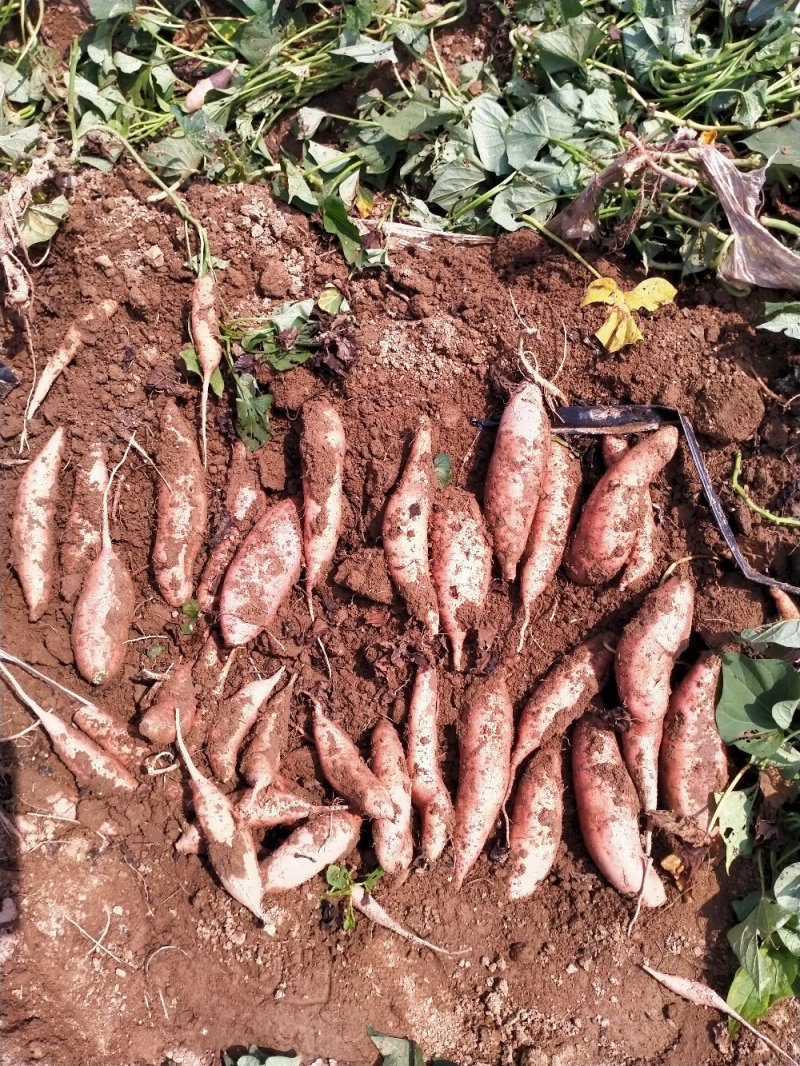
x: 182, y: 968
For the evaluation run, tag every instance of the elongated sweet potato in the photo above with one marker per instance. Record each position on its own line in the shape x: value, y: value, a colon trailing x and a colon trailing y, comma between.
x: 322, y: 450
x: 563, y: 694
x: 262, y: 574
x: 33, y: 531
x: 428, y: 791
x: 516, y: 474
x: 81, y: 542
x: 547, y: 541
x: 646, y: 654
x: 245, y: 503
x: 325, y: 838
x: 536, y: 822
x: 787, y: 609
x: 405, y: 531
x: 182, y: 508
x: 461, y: 563
x: 608, y: 813
x: 113, y: 734
x: 175, y: 693
x: 484, y: 742
x: 642, y: 558
x: 612, y: 517
x: 205, y: 333
x: 693, y: 763
x: 394, y: 847
x: 234, y: 720
x: 345, y: 770
x: 260, y: 762
x: 282, y: 803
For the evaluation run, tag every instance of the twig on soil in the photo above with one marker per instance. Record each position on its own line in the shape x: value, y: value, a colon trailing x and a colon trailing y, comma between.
x: 140, y: 450
x: 22, y: 732
x: 325, y: 657
x: 702, y: 996
x: 164, y: 947
x: 740, y: 490
x: 98, y: 944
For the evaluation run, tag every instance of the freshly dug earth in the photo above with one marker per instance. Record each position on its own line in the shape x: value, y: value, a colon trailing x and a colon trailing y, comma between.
x: 182, y: 968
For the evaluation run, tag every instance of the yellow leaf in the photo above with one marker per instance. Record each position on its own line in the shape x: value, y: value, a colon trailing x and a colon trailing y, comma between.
x: 618, y: 330
x: 601, y: 291
x: 650, y: 294
x: 707, y: 136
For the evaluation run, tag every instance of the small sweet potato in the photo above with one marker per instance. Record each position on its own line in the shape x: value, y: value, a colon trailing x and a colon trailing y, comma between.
x: 234, y: 720
x: 428, y: 791
x: 175, y: 693
x: 642, y: 558
x: 536, y: 820
x: 81, y: 542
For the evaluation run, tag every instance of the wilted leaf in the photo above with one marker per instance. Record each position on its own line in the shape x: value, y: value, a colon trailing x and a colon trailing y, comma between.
x: 620, y: 327
x: 41, y: 221
x: 651, y: 294
x: 734, y: 816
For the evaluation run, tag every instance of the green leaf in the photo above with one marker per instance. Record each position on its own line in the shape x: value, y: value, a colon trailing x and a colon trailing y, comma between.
x: 734, y: 816
x: 335, y: 220
x: 443, y: 466
x: 41, y: 221
x: 532, y: 128
x: 370, y: 882
x: 252, y: 412
x: 782, y: 317
x: 750, y: 689
x: 331, y: 300
x: 487, y: 119
x: 745, y: 939
x: 366, y: 50
x: 751, y: 103
x: 16, y: 140
x: 523, y: 196
x: 752, y: 1003
x: 417, y: 116
x: 338, y: 877
x: 568, y: 47
x: 780, y: 145
x: 396, y: 1050
x: 175, y: 158
x: 109, y: 9
x: 787, y: 888
x: 191, y: 612
x: 455, y: 181
x: 784, y: 634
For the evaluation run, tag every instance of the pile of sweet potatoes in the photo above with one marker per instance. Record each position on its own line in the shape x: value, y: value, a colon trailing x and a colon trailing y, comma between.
x: 439, y: 546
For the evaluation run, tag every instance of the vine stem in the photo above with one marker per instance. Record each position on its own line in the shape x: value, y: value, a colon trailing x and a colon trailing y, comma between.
x: 534, y: 223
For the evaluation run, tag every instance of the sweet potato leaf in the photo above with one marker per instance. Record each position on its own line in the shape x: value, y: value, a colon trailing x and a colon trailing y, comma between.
x: 750, y: 690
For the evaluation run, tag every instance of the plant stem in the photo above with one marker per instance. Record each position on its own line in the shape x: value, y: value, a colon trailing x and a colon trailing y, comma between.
x: 740, y: 490
x: 534, y: 223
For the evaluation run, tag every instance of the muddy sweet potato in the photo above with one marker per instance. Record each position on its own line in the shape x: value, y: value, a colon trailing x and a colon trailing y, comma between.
x: 323, y: 839
x: 428, y: 791
x: 322, y: 451
x: 391, y: 837
x: 80, y: 543
x: 536, y: 820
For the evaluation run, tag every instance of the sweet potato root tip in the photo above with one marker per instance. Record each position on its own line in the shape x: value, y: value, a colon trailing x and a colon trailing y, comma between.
x: 261, y: 575
x: 612, y: 517
x: 515, y: 475
x: 182, y: 509
x: 33, y: 531
x: 405, y: 531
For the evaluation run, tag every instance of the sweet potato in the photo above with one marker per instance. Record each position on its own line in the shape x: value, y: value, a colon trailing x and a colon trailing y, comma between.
x: 612, y: 517
x: 245, y: 503
x: 536, y: 822
x: 260, y: 762
x: 367, y: 905
x: 112, y: 734
x: 428, y: 791
x: 461, y: 560
x: 693, y: 763
x: 547, y: 541
x: 33, y: 529
x: 324, y: 839
x: 89, y: 764
x: 642, y: 558
x: 484, y: 743
x: 175, y: 693
x: 282, y: 803
x: 787, y: 609
x: 80, y: 544
x: 104, y: 611
x: 405, y: 531
x: 608, y: 813
x: 345, y: 770
x: 322, y: 450
x: 391, y: 837
x: 648, y: 648
x: 562, y: 695
x: 182, y: 507
x: 234, y: 720
x: 516, y: 474
x: 205, y: 334
x: 229, y: 844
x: 261, y: 575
